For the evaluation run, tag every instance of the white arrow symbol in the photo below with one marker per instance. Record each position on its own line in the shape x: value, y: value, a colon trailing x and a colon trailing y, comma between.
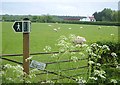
x: 18, y: 26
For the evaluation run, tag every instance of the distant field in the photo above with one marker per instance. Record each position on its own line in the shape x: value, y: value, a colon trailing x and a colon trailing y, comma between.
x: 43, y: 34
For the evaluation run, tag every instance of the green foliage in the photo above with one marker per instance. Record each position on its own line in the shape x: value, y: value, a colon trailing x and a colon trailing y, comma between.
x: 98, y: 68
x: 42, y: 34
x: 114, y: 48
x: 106, y: 15
x: 39, y: 39
x: 92, y: 23
x: 98, y: 73
x: 15, y: 74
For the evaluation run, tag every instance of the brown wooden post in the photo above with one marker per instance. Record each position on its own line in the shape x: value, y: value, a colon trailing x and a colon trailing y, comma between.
x: 26, y: 31
x: 26, y: 52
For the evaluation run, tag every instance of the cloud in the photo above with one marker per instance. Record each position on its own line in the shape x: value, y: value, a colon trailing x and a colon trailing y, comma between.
x: 56, y: 7
x: 60, y: 1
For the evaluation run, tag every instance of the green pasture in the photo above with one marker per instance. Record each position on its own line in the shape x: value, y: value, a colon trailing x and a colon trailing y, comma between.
x: 44, y: 34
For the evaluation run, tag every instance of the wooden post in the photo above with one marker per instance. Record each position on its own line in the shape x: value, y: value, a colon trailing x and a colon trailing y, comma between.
x: 26, y: 52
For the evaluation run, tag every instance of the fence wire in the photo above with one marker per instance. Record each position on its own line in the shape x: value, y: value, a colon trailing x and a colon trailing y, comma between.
x: 61, y: 76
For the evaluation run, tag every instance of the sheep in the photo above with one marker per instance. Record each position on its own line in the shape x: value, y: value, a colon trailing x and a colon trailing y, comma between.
x: 58, y: 28
x: 79, y: 40
x: 81, y: 27
x: 99, y: 27
x: 49, y: 25
x: 55, y: 30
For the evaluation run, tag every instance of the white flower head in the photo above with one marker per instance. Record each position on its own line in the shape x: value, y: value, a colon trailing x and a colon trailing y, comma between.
x: 98, y: 64
x: 72, y: 36
x: 91, y: 62
x: 54, y: 55
x: 113, y: 81
x: 89, y: 50
x: 102, y: 76
x: 78, y: 45
x: 95, y: 44
x: 93, y: 78
x: 7, y: 66
x: 47, y: 48
x: 81, y: 80
x: 118, y: 66
x: 84, y: 45
x: 105, y: 47
x: 114, y: 54
x: 74, y: 58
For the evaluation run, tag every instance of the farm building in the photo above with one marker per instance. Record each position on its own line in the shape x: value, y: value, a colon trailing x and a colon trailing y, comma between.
x: 72, y: 19
x: 89, y: 18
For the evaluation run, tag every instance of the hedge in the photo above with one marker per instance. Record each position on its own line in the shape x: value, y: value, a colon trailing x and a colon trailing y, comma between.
x: 114, y: 47
x: 90, y: 23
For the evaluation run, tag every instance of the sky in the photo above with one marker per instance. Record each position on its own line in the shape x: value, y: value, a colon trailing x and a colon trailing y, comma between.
x: 56, y: 7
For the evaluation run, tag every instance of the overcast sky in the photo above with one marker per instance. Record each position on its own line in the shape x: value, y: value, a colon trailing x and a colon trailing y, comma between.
x: 56, y: 7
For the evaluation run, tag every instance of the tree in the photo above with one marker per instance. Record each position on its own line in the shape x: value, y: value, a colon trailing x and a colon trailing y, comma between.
x: 106, y: 15
x: 34, y: 18
x: 46, y: 18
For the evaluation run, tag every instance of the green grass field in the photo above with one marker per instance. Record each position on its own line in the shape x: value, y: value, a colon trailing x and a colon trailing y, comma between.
x: 42, y: 35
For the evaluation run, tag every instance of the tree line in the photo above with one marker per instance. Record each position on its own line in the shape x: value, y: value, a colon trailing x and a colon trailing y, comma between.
x: 33, y: 18
x: 107, y: 15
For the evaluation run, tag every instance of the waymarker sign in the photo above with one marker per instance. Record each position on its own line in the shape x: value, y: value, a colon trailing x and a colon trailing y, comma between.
x: 24, y: 27
x: 21, y: 26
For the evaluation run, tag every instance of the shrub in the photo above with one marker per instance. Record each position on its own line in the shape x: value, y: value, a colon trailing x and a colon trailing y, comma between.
x: 114, y: 48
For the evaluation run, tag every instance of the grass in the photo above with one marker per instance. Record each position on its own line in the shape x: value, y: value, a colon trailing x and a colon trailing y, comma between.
x: 42, y: 35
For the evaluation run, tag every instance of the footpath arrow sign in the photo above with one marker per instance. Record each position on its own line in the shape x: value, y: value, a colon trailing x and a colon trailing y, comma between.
x: 21, y: 26
x: 24, y: 27
x: 17, y: 26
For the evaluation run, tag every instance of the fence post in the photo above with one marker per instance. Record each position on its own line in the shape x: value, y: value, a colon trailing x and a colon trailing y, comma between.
x: 26, y: 52
x: 26, y: 31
